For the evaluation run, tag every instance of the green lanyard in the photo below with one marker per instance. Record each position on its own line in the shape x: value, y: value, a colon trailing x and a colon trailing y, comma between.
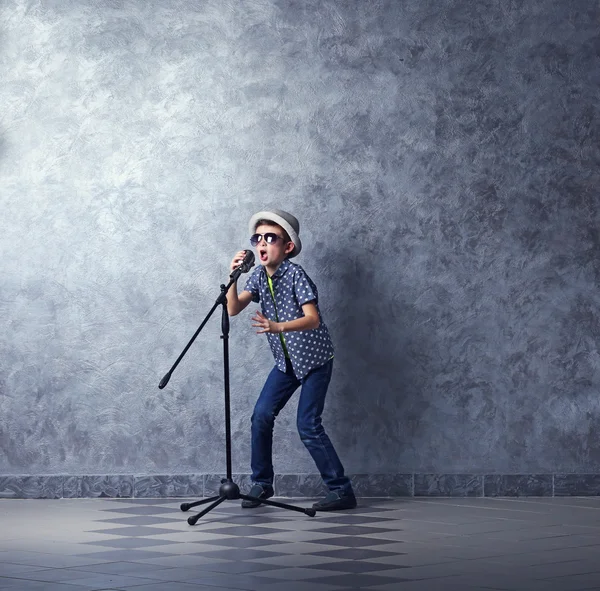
x: 277, y: 317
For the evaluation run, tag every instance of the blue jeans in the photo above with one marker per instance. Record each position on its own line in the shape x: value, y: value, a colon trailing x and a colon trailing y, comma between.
x: 276, y: 392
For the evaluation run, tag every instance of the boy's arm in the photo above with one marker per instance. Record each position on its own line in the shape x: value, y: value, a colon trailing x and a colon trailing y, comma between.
x: 235, y: 303
x: 309, y: 321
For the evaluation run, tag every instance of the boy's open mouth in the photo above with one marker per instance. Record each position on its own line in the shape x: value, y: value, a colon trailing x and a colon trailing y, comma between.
x: 262, y: 254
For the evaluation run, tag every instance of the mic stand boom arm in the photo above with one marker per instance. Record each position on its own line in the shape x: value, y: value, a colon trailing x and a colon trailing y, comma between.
x: 222, y: 299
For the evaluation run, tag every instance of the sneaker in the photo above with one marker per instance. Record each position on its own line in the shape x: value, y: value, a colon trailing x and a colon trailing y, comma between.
x: 259, y: 491
x: 335, y: 501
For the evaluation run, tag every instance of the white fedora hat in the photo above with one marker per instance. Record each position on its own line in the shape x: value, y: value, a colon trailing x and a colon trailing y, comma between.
x: 286, y: 220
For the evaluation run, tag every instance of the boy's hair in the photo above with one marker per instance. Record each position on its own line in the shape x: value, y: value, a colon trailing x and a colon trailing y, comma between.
x: 286, y: 236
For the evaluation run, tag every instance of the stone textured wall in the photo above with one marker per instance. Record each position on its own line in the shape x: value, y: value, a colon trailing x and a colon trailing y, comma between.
x: 443, y: 158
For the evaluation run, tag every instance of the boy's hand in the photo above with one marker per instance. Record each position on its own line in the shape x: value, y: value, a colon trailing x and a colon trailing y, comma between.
x: 266, y: 324
x: 237, y: 260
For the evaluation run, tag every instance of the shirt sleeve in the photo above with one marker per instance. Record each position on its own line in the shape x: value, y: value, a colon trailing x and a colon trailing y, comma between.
x: 253, y: 287
x: 305, y: 290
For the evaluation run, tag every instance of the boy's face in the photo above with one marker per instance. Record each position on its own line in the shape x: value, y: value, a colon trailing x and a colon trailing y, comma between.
x: 272, y: 254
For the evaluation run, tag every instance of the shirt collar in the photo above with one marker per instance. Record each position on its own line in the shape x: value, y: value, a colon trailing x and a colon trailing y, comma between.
x: 285, y: 265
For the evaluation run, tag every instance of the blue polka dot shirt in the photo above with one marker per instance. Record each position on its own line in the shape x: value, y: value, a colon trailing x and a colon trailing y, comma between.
x: 308, y: 349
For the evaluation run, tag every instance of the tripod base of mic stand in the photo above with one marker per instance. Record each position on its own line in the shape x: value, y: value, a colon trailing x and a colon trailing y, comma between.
x: 230, y: 491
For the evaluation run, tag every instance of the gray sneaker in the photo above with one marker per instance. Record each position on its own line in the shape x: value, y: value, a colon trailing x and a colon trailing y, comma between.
x: 259, y: 491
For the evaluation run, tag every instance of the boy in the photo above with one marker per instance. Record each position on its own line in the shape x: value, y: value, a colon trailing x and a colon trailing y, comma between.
x: 304, y: 356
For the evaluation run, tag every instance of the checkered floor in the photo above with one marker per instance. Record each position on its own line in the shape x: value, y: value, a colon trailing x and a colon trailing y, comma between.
x: 383, y: 545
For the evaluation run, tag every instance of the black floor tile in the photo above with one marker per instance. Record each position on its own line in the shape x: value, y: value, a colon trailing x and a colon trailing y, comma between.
x: 353, y: 553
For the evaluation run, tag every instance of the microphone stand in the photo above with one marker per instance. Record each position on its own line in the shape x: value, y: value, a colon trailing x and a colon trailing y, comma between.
x: 229, y: 490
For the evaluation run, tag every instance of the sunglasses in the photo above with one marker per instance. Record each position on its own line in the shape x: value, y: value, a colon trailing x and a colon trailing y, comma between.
x: 270, y: 238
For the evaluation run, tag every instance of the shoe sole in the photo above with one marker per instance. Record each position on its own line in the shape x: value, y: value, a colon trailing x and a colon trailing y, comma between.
x: 252, y: 504
x: 334, y: 508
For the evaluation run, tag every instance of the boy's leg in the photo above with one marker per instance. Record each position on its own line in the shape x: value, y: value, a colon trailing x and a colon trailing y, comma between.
x: 312, y: 433
x: 277, y: 390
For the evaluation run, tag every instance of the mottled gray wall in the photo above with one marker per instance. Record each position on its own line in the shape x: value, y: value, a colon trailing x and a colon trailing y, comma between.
x: 442, y: 156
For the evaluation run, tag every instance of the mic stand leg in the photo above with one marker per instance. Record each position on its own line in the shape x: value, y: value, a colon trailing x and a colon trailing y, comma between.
x: 229, y: 490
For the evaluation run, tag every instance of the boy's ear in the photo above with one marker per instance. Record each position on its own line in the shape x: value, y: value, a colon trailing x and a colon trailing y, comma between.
x: 289, y: 247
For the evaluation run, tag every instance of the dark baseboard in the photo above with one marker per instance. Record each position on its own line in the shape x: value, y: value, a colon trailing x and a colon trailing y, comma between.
x: 300, y: 485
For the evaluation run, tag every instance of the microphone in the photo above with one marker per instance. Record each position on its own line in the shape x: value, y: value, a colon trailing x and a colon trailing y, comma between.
x: 248, y: 261
x: 246, y: 264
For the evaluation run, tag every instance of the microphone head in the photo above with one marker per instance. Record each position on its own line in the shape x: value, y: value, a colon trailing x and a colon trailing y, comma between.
x: 248, y: 261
